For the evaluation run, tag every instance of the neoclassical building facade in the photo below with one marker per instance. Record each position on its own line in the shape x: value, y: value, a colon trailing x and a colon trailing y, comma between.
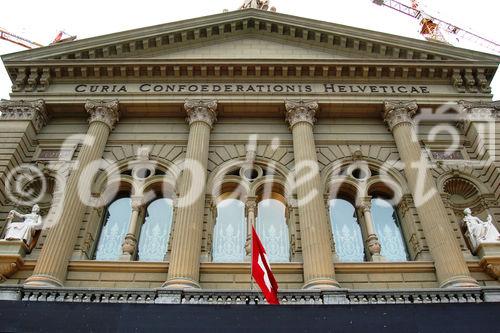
x: 152, y: 152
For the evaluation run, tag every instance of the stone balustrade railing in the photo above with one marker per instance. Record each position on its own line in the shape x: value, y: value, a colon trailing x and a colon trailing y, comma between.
x: 222, y: 297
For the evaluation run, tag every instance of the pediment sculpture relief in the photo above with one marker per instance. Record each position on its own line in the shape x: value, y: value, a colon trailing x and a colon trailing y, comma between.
x: 479, y: 231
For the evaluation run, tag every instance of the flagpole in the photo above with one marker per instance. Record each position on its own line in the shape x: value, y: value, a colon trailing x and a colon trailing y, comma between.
x: 251, y: 260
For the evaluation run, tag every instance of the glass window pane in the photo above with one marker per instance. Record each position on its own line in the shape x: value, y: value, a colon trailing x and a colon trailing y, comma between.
x: 388, y: 231
x: 346, y: 231
x: 114, y: 230
x: 273, y: 230
x: 229, y: 232
x: 155, y: 231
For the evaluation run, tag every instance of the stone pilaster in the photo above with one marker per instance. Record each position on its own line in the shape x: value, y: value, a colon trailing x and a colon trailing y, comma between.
x: 52, y: 264
x: 317, y: 249
x: 20, y: 122
x: 451, y: 268
x: 184, y: 268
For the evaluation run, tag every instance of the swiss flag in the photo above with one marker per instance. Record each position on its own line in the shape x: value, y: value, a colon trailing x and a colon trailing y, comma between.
x: 261, y: 271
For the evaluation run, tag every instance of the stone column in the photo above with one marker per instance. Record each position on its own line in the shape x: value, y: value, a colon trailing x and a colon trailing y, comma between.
x: 184, y: 268
x: 129, y: 246
x: 372, y: 241
x: 451, y: 268
x: 251, y: 213
x: 51, y: 267
x: 315, y: 231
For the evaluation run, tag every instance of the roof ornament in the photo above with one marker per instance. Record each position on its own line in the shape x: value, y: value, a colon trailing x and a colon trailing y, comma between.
x: 257, y: 4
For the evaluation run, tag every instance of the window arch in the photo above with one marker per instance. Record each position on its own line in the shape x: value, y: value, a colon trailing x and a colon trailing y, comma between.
x: 272, y: 228
x: 346, y: 231
x: 388, y: 230
x: 229, y: 232
x: 155, y: 231
x: 115, y: 228
x: 138, y: 222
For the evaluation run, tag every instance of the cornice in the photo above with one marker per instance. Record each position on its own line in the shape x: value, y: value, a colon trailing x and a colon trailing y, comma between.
x: 465, y: 76
x: 388, y: 45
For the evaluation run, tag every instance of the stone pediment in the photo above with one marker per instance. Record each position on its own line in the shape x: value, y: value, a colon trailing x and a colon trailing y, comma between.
x: 252, y: 47
x: 285, y: 34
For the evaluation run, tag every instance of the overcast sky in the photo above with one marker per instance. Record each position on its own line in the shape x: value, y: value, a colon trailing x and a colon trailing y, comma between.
x: 40, y: 21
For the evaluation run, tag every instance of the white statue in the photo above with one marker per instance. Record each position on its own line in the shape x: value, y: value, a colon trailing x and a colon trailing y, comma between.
x: 257, y: 4
x: 480, y: 231
x: 26, y: 229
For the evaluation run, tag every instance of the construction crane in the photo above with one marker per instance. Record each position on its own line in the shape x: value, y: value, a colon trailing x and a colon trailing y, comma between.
x: 432, y: 28
x: 10, y: 37
x: 61, y: 37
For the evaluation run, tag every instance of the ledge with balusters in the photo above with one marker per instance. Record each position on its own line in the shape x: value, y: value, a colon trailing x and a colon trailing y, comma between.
x: 221, y: 297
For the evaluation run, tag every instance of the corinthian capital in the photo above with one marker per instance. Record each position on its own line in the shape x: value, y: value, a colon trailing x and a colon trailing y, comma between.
x: 103, y: 111
x: 200, y: 110
x: 480, y: 111
x: 399, y: 112
x: 301, y: 111
x: 33, y: 111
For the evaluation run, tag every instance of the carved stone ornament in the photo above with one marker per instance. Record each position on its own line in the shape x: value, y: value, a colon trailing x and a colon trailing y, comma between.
x: 479, y: 111
x: 399, y: 112
x: 301, y: 111
x: 35, y: 111
x: 200, y: 110
x: 103, y: 111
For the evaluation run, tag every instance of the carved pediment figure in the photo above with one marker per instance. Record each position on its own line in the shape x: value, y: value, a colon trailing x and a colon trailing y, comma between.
x: 26, y: 229
x: 479, y: 231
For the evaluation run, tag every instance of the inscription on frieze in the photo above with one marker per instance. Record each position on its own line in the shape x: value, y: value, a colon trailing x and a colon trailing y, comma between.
x: 253, y: 88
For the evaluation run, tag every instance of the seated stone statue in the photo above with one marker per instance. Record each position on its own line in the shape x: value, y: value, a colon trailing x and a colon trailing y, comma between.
x: 26, y: 229
x: 480, y: 231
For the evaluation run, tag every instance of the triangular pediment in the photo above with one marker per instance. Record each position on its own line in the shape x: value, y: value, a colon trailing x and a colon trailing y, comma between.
x: 279, y: 35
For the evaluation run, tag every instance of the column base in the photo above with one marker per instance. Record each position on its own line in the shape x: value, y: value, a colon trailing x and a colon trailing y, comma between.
x: 461, y: 281
x: 180, y: 284
x: 43, y: 281
x: 322, y: 284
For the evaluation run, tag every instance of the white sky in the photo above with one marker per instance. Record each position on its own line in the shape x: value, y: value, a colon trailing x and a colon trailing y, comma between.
x: 40, y: 20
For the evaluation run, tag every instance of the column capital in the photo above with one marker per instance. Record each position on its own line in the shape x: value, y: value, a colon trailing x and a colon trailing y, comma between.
x: 399, y: 112
x: 201, y: 110
x: 103, y: 111
x: 137, y: 202
x: 32, y: 110
x: 479, y: 111
x: 365, y: 204
x: 251, y: 205
x: 298, y: 111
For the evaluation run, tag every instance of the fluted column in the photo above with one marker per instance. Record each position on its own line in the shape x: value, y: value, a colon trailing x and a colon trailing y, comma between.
x: 184, y: 268
x: 129, y: 245
x: 51, y: 267
x: 372, y: 241
x: 314, y: 227
x: 451, y: 268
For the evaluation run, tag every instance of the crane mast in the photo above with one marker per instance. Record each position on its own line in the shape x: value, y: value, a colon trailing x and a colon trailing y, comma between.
x: 432, y: 27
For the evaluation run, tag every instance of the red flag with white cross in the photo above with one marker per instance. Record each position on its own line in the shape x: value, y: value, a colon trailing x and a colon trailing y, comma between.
x: 261, y: 270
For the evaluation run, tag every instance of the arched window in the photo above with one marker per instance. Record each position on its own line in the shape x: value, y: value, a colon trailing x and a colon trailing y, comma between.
x: 155, y: 231
x: 346, y: 231
x: 273, y: 230
x: 229, y: 232
x: 388, y: 230
x: 114, y: 230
